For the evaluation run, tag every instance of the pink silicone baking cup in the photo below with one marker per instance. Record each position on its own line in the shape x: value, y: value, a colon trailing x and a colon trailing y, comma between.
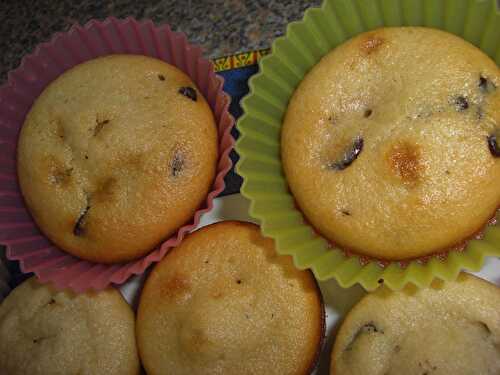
x: 18, y: 232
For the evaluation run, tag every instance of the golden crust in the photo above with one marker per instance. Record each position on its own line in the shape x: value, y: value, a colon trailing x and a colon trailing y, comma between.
x: 449, y: 328
x: 224, y: 302
x: 113, y: 158
x: 385, y: 143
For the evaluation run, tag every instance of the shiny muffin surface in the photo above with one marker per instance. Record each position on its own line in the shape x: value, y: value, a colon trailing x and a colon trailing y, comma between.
x: 391, y: 143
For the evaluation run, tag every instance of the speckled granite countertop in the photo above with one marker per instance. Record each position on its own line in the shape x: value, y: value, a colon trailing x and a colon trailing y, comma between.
x: 221, y: 27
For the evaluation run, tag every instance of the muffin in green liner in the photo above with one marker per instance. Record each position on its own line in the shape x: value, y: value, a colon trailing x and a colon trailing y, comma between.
x: 305, y: 43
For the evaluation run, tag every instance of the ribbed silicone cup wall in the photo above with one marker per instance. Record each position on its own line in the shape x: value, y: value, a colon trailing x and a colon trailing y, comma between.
x: 293, y: 55
x: 18, y: 232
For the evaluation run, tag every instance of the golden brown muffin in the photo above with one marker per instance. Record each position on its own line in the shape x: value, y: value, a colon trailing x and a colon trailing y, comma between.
x: 224, y: 302
x: 43, y: 331
x: 391, y: 144
x: 115, y: 155
x: 449, y: 328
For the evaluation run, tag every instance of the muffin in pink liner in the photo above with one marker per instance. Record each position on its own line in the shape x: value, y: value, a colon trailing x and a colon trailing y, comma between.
x: 18, y: 231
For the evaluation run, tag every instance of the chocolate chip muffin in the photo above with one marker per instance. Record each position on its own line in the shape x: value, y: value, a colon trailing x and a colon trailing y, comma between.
x: 449, y: 328
x: 224, y: 302
x: 43, y: 331
x: 115, y: 155
x: 391, y: 143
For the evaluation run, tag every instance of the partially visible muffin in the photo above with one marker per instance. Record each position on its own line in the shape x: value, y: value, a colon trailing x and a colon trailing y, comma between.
x: 43, y: 331
x: 115, y: 155
x: 449, y: 328
x: 224, y: 302
x: 391, y: 143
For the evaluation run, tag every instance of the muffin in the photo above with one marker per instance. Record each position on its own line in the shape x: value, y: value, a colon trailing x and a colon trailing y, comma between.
x: 43, y: 331
x: 449, y: 328
x: 115, y: 155
x: 390, y: 144
x: 224, y: 302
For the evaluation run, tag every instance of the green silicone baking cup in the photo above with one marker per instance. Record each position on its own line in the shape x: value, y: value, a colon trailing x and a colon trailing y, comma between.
x: 293, y: 55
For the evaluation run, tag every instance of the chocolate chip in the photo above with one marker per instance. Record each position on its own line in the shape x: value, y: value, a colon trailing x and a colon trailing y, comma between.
x: 380, y: 281
x: 238, y: 281
x: 485, y: 85
x: 485, y: 327
x: 346, y: 213
x: 370, y: 327
x: 78, y: 229
x: 188, y: 92
x: 493, y: 145
x: 349, y: 156
x: 177, y: 164
x: 461, y: 103
x: 99, y: 126
x: 367, y: 328
x: 161, y: 77
x: 368, y: 113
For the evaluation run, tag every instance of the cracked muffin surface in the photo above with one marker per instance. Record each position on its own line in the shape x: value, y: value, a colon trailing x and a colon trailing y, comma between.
x: 391, y: 143
x: 449, y: 328
x: 115, y: 155
x: 43, y: 331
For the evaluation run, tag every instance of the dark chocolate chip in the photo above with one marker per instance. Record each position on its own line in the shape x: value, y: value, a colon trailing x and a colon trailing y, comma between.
x: 161, y: 77
x: 346, y: 213
x: 493, y: 145
x: 39, y: 339
x: 349, y: 156
x: 461, y: 103
x: 380, y: 281
x: 188, y: 92
x: 485, y: 327
x: 177, y: 164
x: 78, y: 229
x: 99, y: 125
x: 485, y: 85
x: 368, y: 113
x: 370, y: 327
x: 86, y: 156
x: 367, y: 328
x: 238, y: 281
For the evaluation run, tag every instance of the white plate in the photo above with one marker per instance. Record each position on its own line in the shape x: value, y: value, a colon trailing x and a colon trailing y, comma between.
x: 338, y: 301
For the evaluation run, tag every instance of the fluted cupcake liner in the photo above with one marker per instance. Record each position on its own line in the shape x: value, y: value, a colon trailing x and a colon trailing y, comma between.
x: 18, y: 231
x: 293, y: 55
